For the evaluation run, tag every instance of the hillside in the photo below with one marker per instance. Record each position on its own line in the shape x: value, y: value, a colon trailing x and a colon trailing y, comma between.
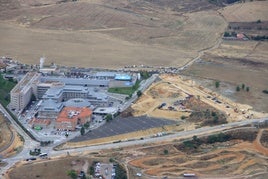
x: 158, y: 33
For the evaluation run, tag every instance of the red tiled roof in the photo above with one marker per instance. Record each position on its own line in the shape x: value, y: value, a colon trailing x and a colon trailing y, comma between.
x: 65, y: 114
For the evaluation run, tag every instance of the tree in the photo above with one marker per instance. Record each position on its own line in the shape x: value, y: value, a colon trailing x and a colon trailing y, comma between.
x: 213, y: 113
x: 183, y: 117
x: 243, y: 86
x: 139, y: 93
x: 33, y: 98
x: 226, y: 34
x: 237, y: 88
x: 72, y: 174
x: 215, y: 119
x: 265, y: 91
x: 165, y: 151
x: 86, y: 125
x: 195, y: 138
x: 233, y: 34
x: 247, y: 89
x: 217, y: 84
x: 82, y: 130
x: 108, y: 117
x: 145, y: 74
x: 111, y: 160
x: 91, y: 170
x: 130, y: 96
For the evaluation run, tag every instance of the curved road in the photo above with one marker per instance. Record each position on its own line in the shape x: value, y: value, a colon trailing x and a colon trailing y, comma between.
x: 30, y: 144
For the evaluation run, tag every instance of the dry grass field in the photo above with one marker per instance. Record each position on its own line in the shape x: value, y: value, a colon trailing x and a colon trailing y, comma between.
x: 108, y: 34
x: 81, y: 49
x: 246, y: 12
x: 56, y: 168
x: 235, y: 63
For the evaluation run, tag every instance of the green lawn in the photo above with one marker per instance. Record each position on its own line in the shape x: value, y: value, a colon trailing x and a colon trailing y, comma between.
x: 5, y: 87
x: 125, y: 90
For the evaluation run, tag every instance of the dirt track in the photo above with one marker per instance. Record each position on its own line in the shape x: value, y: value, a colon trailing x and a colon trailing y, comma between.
x: 235, y: 157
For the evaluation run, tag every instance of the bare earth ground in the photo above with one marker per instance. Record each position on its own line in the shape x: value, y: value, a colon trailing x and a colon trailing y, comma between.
x: 187, y: 86
x: 56, y: 168
x: 226, y: 159
x: 109, y: 34
x: 170, y: 89
x: 234, y: 63
x: 232, y: 158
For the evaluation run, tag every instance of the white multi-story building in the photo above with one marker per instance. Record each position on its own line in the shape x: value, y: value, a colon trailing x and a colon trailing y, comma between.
x: 21, y: 94
x: 43, y: 87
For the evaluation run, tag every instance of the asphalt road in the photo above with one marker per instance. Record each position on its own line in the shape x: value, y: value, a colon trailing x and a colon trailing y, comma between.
x: 31, y: 144
x: 179, y: 135
x: 28, y: 144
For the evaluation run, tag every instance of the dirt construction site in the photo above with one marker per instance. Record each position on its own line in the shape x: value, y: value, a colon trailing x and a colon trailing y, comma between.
x: 173, y: 88
x: 176, y: 98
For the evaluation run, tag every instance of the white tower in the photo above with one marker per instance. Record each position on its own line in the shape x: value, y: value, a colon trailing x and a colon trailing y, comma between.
x: 42, y: 61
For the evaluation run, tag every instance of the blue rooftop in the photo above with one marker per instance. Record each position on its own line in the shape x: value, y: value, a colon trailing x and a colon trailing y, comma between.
x: 123, y: 77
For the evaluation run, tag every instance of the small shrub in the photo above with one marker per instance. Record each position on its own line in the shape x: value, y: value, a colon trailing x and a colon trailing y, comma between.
x: 265, y: 91
x: 247, y: 89
x: 237, y: 88
x: 217, y: 84
x: 165, y: 151
x: 243, y: 86
x: 258, y: 21
x: 183, y: 117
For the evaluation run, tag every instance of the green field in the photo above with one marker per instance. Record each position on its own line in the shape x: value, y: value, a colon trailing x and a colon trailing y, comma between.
x: 5, y: 87
x: 125, y: 90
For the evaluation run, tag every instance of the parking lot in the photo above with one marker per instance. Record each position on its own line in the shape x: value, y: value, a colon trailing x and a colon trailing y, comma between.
x: 124, y: 125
